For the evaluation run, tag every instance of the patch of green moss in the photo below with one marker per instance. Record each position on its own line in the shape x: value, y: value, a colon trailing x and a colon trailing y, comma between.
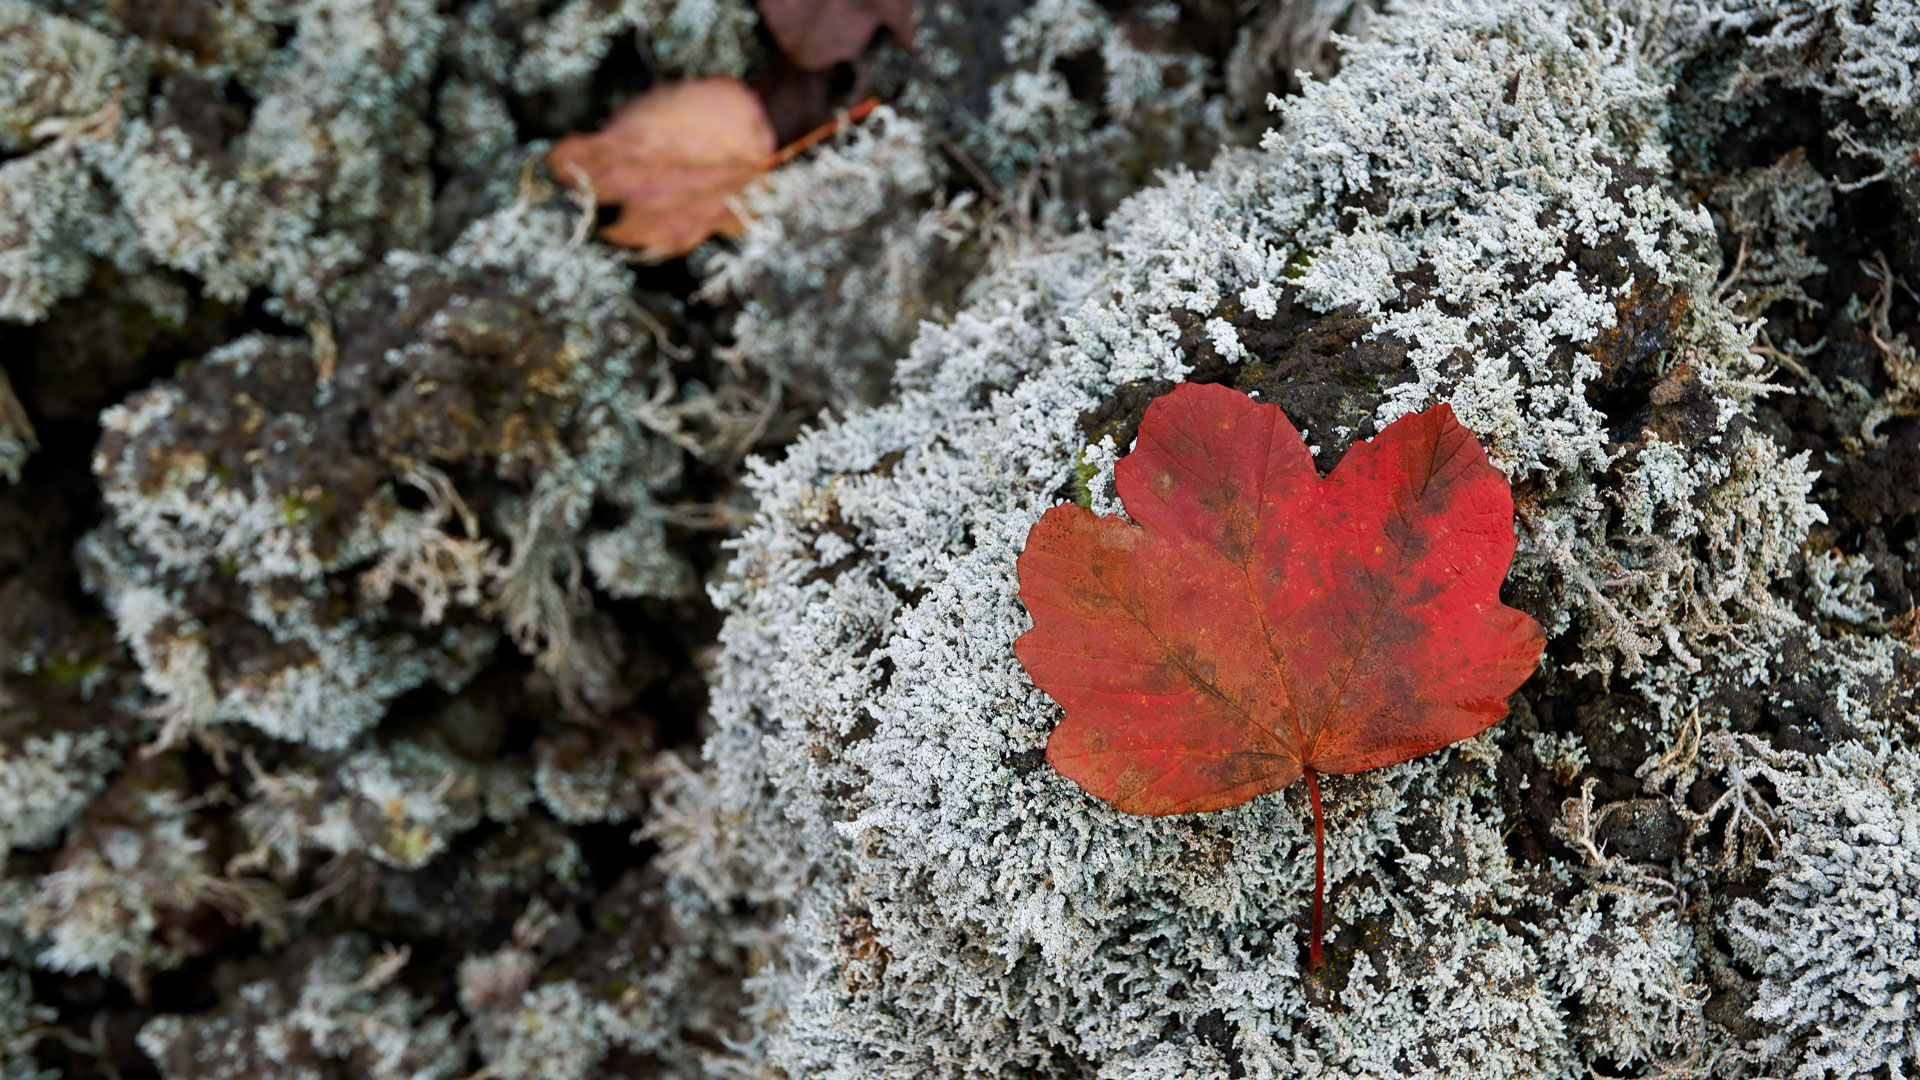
x: 1083, y: 473
x: 69, y: 669
x: 295, y: 510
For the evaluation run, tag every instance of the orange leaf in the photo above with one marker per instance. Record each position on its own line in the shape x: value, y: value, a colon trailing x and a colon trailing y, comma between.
x: 673, y: 159
x: 1254, y: 624
x: 817, y: 34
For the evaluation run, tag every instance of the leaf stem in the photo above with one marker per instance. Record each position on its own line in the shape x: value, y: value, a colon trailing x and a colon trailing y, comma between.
x: 1315, y: 960
x: 800, y: 145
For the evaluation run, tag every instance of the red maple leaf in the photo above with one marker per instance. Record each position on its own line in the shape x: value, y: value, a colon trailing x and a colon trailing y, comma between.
x: 1255, y: 623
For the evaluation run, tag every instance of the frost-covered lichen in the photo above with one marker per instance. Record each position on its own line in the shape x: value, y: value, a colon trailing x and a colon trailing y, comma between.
x: 44, y: 253
x: 847, y: 254
x: 564, y: 46
x: 1480, y: 207
x: 651, y: 976
x: 65, y: 88
x: 379, y: 616
x: 131, y: 879
x: 1836, y: 939
x: 46, y: 780
x: 844, y: 256
x: 22, y: 1024
x: 17, y: 440
x: 1860, y: 58
x: 399, y: 804
x: 1772, y: 213
x: 995, y: 79
x: 281, y: 577
x: 331, y: 161
x: 333, y: 1007
x: 1626, y: 954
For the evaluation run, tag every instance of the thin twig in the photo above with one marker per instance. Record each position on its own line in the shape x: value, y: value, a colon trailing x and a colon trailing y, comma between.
x: 806, y: 142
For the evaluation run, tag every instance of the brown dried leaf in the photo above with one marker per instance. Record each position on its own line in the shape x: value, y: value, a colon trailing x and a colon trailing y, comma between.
x: 817, y: 34
x: 673, y: 159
